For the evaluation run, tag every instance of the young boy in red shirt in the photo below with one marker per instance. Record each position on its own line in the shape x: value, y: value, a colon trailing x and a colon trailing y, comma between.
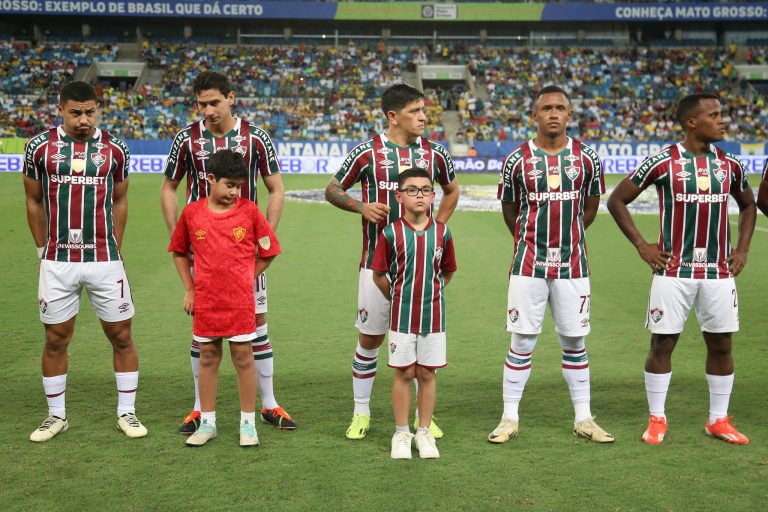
x: 232, y: 242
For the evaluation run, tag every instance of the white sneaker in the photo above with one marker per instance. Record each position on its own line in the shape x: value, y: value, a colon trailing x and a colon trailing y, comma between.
x: 204, y: 433
x: 248, y: 436
x: 131, y: 425
x: 50, y: 427
x: 425, y: 443
x: 507, y: 428
x: 590, y: 430
x: 401, y: 445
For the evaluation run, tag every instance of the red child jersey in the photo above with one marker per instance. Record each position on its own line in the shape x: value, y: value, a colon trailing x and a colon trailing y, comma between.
x: 226, y: 246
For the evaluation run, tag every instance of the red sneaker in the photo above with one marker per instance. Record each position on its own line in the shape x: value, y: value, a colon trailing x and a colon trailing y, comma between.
x: 657, y: 429
x: 723, y: 429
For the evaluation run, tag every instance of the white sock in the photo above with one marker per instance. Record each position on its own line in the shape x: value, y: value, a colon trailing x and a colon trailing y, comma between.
x: 208, y: 417
x: 55, y: 393
x: 720, y: 387
x: 265, y: 367
x: 402, y: 428
x: 248, y: 417
x: 194, y: 358
x: 363, y: 375
x: 127, y: 382
x: 422, y: 430
x: 517, y: 370
x: 576, y: 375
x: 656, y: 387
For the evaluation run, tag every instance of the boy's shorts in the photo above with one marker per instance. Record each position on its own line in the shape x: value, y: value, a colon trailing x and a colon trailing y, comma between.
x: 372, y: 306
x: 671, y: 299
x: 407, y: 349
x: 238, y: 338
x: 568, y: 301
x: 61, y: 284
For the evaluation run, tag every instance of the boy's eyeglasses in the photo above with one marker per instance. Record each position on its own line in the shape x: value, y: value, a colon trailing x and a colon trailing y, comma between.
x: 413, y: 191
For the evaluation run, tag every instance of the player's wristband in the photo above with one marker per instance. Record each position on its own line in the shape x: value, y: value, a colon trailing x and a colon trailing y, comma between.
x: 40, y: 251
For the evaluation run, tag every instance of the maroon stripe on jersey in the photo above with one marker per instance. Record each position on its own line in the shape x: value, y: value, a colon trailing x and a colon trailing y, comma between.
x: 45, y: 153
x: 400, y: 261
x: 244, y: 131
x: 533, y: 208
x: 724, y: 233
x: 437, y: 317
x: 583, y: 185
x: 555, y: 221
x: 418, y: 281
x: 100, y: 201
x: 678, y: 211
x: 76, y: 201
x: 380, y: 173
x: 196, y: 133
x: 702, y: 219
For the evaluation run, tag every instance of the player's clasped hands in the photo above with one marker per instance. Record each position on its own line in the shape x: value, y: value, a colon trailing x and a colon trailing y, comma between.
x: 736, y: 261
x: 375, y: 212
x: 653, y: 256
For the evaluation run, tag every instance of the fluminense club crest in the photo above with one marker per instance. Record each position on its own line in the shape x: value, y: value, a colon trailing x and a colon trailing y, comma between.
x: 98, y: 159
x: 239, y: 233
x: 720, y: 174
x: 656, y: 314
x: 572, y: 172
x: 392, y: 347
x: 362, y: 314
x: 514, y: 315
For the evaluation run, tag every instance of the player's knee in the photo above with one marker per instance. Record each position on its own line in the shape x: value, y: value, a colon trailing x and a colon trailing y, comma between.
x: 572, y: 343
x: 242, y: 360
x: 405, y: 374
x: 523, y: 343
x: 425, y: 374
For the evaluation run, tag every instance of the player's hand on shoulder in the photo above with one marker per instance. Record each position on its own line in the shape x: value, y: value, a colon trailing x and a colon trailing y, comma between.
x: 375, y: 212
x: 189, y: 302
x: 736, y: 261
x: 653, y: 256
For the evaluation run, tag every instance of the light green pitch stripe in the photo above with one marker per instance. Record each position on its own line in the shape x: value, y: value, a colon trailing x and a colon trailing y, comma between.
x: 411, y: 11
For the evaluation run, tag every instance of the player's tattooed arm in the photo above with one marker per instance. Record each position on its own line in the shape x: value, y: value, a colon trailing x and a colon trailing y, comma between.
x: 338, y: 197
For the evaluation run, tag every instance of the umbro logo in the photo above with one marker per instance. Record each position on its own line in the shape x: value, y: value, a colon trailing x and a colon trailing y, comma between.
x: 59, y: 157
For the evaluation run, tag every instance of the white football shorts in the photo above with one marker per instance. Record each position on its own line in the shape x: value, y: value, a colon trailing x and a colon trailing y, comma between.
x: 671, y: 299
x: 372, y: 306
x: 61, y: 283
x: 407, y: 349
x: 568, y: 300
x: 240, y: 338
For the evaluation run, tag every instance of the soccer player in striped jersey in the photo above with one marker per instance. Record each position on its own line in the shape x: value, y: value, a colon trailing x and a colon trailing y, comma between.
x: 693, y: 262
x: 413, y: 262
x: 550, y: 190
x: 191, y: 150
x: 762, y: 193
x: 76, y: 184
x: 376, y: 164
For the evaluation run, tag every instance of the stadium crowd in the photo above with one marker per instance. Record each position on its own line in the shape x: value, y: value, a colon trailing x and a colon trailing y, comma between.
x: 306, y: 92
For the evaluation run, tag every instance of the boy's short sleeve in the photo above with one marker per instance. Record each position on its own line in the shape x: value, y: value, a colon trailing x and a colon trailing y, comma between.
x: 383, y: 254
x: 180, y: 241
x: 267, y: 244
x: 448, y: 259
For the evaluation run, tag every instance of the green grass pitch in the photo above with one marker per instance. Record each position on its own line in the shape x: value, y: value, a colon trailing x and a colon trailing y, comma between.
x: 312, y: 290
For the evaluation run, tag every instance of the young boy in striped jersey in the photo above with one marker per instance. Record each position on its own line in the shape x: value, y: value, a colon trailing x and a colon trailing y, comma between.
x: 413, y: 262
x: 693, y: 262
x: 550, y: 191
x: 232, y: 243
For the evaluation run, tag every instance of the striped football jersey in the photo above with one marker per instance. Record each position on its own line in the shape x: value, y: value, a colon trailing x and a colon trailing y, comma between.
x: 551, y: 189
x: 693, y: 202
x: 376, y: 164
x: 415, y: 261
x: 78, y: 180
x: 194, y: 145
